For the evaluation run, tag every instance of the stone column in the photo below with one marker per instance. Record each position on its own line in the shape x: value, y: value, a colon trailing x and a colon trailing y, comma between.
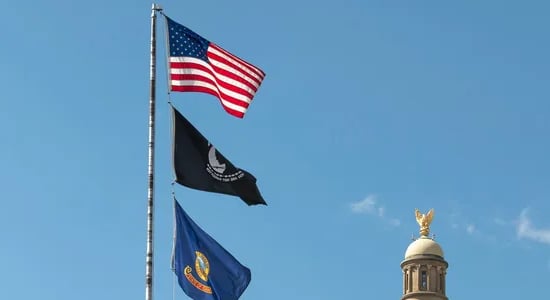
x: 411, y: 271
x: 437, y: 283
x: 404, y: 281
x: 428, y: 278
x: 443, y: 281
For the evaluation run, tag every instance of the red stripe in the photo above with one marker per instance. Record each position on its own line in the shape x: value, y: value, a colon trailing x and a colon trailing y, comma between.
x: 189, y: 65
x: 193, y: 88
x: 195, y: 77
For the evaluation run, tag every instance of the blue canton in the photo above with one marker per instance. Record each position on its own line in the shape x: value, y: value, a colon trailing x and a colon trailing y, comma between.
x: 184, y: 42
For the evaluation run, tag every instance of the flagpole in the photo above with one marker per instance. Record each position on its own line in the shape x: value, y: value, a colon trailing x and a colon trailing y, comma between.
x: 151, y: 157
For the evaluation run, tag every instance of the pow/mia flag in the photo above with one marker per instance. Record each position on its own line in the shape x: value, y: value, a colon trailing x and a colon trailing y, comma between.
x: 199, y: 165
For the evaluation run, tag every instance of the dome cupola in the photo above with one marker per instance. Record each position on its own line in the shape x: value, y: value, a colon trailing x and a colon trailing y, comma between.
x: 424, y: 267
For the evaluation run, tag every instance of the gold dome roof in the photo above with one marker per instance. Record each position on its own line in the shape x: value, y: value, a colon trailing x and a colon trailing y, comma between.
x: 424, y: 246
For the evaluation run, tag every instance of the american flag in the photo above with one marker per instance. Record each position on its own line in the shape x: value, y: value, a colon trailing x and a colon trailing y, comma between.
x: 197, y: 65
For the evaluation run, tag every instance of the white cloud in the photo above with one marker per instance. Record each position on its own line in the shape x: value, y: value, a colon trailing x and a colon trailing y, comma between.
x: 367, y: 205
x: 370, y: 206
x: 470, y: 228
x: 526, y: 230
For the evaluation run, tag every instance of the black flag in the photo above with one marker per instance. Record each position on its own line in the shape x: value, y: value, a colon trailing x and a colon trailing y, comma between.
x: 199, y: 165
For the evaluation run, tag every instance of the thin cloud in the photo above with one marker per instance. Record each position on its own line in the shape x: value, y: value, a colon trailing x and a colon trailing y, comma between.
x: 470, y: 228
x: 370, y: 206
x: 526, y: 230
x: 367, y: 205
x: 466, y: 225
x: 473, y: 230
x: 454, y: 219
x: 395, y: 222
x: 460, y: 222
x: 500, y: 222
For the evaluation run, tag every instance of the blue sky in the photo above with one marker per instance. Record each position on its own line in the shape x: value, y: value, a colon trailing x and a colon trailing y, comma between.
x: 369, y: 110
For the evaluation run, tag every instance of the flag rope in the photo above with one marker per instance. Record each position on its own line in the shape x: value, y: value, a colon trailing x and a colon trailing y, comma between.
x: 172, y: 267
x: 166, y: 55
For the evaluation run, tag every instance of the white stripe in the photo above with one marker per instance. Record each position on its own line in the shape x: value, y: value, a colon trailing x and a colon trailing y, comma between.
x: 238, y: 63
x: 184, y: 59
x: 211, y: 87
x: 223, y: 90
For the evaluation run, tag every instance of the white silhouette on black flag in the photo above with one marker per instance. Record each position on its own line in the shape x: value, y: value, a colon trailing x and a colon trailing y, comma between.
x: 199, y: 165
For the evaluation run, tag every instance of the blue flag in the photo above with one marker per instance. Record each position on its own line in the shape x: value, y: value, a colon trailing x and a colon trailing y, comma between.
x: 205, y: 270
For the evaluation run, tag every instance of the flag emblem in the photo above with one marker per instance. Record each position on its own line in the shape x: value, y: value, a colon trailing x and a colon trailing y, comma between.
x: 202, y: 268
x: 213, y: 160
x: 216, y: 169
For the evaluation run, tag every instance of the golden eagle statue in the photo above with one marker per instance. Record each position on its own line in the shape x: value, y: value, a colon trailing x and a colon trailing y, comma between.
x: 424, y: 220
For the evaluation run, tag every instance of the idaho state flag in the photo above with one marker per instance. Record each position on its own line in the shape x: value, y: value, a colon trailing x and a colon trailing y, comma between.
x: 199, y: 165
x: 205, y: 270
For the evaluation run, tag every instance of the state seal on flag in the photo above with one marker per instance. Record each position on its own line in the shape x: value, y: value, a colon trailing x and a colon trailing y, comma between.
x: 202, y: 268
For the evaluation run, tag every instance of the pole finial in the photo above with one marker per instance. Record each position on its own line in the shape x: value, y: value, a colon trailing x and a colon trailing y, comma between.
x: 154, y: 8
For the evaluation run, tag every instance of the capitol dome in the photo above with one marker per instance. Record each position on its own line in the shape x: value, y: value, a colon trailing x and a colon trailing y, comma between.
x: 424, y: 246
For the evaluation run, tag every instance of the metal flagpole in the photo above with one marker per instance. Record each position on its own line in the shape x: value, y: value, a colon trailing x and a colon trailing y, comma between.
x: 151, y: 161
